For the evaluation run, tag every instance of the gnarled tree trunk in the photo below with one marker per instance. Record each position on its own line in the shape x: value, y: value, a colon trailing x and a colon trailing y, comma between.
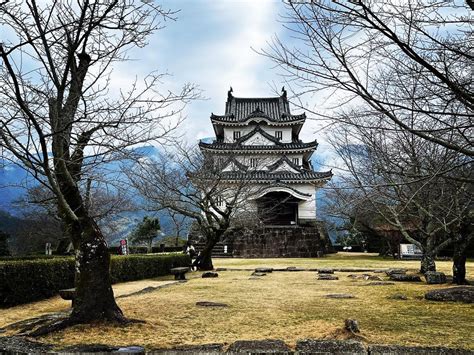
x: 459, y: 262
x: 94, y: 298
x: 427, y: 263
x: 204, y: 260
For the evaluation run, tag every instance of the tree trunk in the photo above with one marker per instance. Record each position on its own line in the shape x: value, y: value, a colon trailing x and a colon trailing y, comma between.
x: 94, y: 298
x: 149, y: 247
x: 204, y: 261
x: 427, y: 263
x: 459, y: 262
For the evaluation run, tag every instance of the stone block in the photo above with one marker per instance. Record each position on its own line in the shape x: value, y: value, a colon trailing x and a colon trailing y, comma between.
x: 310, y: 346
x: 405, y: 277
x: 402, y: 350
x: 259, y: 346
x: 433, y: 277
x: 463, y: 294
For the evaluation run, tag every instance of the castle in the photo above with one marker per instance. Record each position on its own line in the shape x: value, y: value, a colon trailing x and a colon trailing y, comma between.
x: 257, y: 140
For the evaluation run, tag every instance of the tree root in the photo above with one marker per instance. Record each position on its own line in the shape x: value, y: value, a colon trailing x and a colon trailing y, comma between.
x: 50, y: 323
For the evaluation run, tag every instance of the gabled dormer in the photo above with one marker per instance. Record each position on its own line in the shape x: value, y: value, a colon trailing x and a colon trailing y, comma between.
x: 258, y: 136
x: 233, y: 164
x: 284, y: 165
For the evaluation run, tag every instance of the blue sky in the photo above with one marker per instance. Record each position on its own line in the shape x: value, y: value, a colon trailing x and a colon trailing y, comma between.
x: 213, y: 44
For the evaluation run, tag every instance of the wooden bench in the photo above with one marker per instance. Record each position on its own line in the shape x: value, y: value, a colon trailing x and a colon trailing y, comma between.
x: 68, y: 294
x: 179, y: 272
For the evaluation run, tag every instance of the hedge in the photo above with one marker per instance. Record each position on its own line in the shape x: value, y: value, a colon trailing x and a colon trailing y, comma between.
x: 133, y: 249
x: 23, y: 281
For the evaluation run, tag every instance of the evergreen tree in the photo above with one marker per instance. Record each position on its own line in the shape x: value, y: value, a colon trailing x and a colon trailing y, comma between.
x: 146, y: 231
x: 4, y: 251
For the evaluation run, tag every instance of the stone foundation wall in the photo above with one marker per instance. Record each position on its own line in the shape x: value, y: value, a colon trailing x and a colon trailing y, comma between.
x: 279, y: 242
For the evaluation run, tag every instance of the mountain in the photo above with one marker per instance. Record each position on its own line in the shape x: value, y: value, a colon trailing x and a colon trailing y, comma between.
x: 14, y: 182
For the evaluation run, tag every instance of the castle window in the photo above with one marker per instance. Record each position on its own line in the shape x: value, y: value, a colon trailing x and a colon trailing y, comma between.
x: 236, y: 135
x: 219, y: 201
x: 296, y: 161
x: 253, y: 162
x: 278, y: 134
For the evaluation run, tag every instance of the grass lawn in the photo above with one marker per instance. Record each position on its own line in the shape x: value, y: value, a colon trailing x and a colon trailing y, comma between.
x: 284, y: 305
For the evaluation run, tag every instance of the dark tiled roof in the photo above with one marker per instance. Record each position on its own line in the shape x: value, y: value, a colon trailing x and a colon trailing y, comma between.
x: 280, y: 146
x: 240, y: 109
x: 305, y: 176
x: 237, y: 163
x: 282, y: 119
x: 286, y: 186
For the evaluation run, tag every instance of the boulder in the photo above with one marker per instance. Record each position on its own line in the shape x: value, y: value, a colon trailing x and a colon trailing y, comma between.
x: 327, y: 277
x: 259, y: 346
x: 294, y: 268
x: 463, y: 294
x: 325, y: 271
x: 313, y: 346
x: 433, y: 277
x: 209, y: 274
x: 255, y: 273
x: 405, y: 277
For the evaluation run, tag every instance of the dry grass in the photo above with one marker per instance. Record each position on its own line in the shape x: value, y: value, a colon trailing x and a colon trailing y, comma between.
x: 289, y: 306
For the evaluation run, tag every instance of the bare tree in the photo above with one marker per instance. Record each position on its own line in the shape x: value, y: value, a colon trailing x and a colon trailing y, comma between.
x: 194, y: 185
x: 104, y: 201
x: 59, y: 117
x: 181, y: 223
x: 351, y: 215
x: 396, y: 175
x: 389, y: 58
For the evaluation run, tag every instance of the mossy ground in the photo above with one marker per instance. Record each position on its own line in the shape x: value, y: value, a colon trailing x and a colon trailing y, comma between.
x: 283, y: 305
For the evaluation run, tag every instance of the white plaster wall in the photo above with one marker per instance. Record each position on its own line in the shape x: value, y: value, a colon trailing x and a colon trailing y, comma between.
x: 265, y: 160
x: 258, y: 139
x: 246, y: 202
x: 307, y: 209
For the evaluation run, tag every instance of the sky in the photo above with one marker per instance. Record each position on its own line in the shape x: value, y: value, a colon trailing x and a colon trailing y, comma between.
x: 214, y: 45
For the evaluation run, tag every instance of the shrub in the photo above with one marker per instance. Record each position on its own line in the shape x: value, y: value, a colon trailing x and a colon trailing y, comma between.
x: 23, y: 281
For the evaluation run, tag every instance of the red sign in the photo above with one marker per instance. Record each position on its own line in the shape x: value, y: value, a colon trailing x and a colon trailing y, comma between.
x: 123, y: 247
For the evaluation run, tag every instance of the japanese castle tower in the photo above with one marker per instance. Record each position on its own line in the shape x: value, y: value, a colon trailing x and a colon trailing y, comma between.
x: 257, y: 139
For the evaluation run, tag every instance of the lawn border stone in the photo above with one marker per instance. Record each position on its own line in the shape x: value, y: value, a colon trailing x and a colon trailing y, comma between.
x: 264, y: 346
x: 317, y: 346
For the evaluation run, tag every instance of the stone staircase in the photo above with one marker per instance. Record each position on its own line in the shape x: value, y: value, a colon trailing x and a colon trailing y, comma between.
x: 218, y: 251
